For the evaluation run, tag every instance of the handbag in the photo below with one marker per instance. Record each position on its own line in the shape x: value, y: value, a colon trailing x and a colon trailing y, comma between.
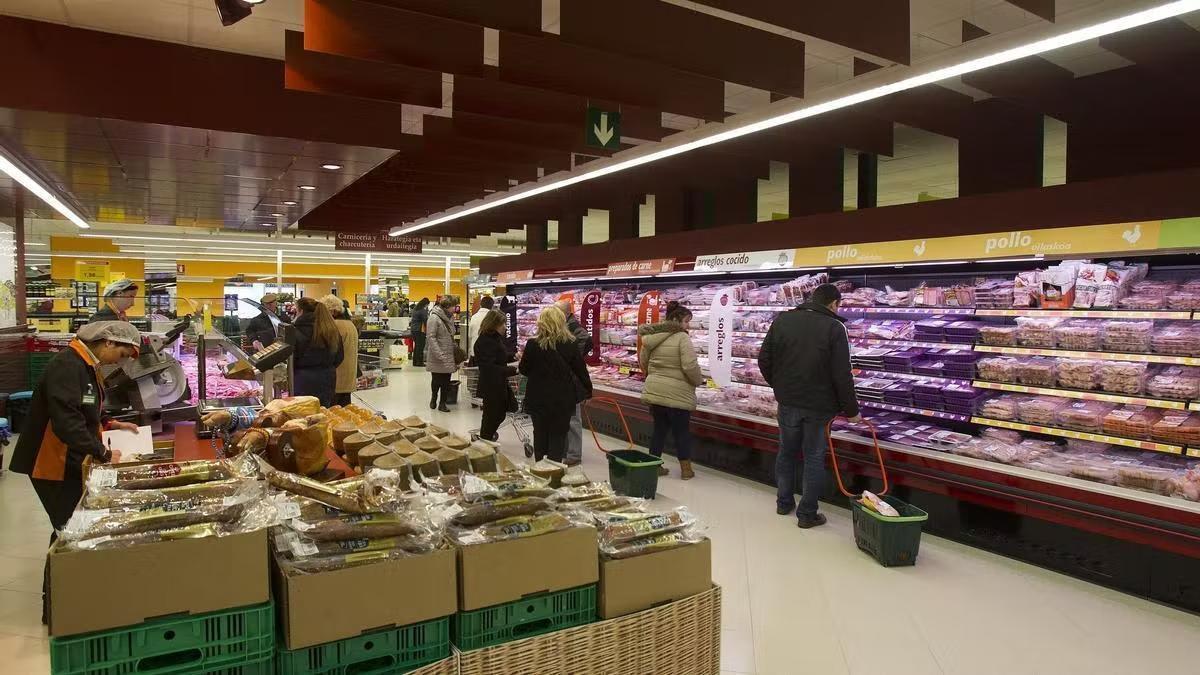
x: 460, y: 354
x: 581, y: 392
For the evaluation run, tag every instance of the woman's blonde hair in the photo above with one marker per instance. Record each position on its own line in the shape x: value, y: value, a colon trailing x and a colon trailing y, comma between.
x: 552, y: 328
x: 334, y: 304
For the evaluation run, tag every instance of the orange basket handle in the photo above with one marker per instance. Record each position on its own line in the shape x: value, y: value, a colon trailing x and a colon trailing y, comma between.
x: 620, y: 413
x: 834, y: 460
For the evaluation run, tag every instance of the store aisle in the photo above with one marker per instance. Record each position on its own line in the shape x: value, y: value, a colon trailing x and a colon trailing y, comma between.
x: 795, y: 602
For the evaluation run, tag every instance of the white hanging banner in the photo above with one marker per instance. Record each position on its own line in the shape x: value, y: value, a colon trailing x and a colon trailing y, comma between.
x: 720, y: 338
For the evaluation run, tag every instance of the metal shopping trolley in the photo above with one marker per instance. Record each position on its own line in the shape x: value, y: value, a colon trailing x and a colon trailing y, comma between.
x: 521, y: 423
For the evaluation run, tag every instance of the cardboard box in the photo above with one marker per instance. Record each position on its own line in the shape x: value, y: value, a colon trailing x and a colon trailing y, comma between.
x: 645, y: 581
x: 112, y: 588
x: 504, y: 571
x: 327, y: 606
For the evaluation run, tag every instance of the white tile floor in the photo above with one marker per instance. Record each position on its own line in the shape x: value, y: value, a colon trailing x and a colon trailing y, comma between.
x: 795, y: 602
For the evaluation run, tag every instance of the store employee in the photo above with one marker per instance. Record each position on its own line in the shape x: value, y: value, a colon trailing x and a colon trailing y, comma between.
x: 118, y: 298
x: 65, y: 420
x: 264, y: 328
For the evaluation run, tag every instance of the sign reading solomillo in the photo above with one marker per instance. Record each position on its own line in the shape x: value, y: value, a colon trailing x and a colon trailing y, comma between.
x: 376, y: 242
x: 639, y: 267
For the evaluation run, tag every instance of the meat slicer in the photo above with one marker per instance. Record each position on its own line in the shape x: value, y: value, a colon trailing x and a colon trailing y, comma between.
x: 152, y: 388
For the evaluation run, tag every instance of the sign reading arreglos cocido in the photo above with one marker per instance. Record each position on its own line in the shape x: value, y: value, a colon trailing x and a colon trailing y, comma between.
x: 376, y: 242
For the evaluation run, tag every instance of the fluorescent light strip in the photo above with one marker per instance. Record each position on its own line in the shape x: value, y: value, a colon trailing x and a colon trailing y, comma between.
x: 340, y: 257
x: 36, y: 188
x: 1004, y: 260
x: 1004, y: 56
x: 283, y: 244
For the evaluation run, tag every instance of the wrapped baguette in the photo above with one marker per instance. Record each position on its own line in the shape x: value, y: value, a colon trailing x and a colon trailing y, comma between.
x: 91, y: 524
x: 517, y: 527
x: 491, y: 511
x: 357, y: 526
x: 153, y: 476
x: 651, y: 524
x: 111, y: 498
x: 342, y: 498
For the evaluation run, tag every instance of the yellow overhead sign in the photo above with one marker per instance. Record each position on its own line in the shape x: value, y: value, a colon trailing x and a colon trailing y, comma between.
x: 92, y: 271
x: 1058, y: 241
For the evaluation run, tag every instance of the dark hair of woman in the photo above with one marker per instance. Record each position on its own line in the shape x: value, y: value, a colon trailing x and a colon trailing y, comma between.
x: 493, y: 322
x: 325, y: 332
x: 677, y: 312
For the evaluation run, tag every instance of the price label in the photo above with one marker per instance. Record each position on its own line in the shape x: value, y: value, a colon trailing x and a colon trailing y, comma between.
x: 623, y: 370
x: 711, y: 384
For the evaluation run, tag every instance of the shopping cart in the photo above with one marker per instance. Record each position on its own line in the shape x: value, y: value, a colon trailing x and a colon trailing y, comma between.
x: 520, y: 421
x: 892, y: 541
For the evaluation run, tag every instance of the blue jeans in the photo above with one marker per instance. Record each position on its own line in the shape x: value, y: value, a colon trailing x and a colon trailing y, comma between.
x: 676, y: 422
x: 800, y: 432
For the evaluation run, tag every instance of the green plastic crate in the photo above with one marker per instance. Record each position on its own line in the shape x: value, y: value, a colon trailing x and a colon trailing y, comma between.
x: 892, y: 541
x: 395, y: 650
x: 230, y: 642
x: 633, y: 473
x: 524, y: 618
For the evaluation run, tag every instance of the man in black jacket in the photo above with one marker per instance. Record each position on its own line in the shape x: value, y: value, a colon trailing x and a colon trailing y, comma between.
x: 261, y: 328
x: 806, y: 360
x: 583, y: 340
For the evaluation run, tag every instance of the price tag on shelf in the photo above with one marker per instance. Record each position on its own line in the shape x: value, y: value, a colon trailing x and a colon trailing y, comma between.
x: 623, y: 370
x: 711, y: 384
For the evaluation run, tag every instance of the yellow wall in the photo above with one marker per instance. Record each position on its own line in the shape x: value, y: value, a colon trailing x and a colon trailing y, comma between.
x: 62, y: 268
x: 418, y: 288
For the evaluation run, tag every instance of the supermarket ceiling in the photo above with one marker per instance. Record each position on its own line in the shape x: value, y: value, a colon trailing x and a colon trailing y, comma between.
x: 475, y: 97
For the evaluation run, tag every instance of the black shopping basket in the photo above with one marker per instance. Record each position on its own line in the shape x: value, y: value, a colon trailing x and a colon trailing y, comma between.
x: 893, y: 541
x: 631, y: 472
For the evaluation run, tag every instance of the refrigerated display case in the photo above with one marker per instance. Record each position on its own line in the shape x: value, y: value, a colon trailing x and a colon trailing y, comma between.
x: 1045, y: 410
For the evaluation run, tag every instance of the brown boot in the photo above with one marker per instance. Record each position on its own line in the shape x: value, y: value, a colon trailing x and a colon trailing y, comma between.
x: 685, y: 470
x: 663, y: 471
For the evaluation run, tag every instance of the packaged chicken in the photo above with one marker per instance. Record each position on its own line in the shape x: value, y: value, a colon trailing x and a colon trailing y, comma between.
x: 1123, y: 377
x: 1079, y: 335
x: 998, y: 335
x: 1036, y: 331
x: 1041, y: 410
x: 1037, y: 371
x: 1078, y: 373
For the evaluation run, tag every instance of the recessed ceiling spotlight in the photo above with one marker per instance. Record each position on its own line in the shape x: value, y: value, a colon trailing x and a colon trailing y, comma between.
x: 290, y: 203
x: 277, y: 215
x: 308, y: 187
x: 254, y: 2
x: 267, y: 224
x: 331, y: 167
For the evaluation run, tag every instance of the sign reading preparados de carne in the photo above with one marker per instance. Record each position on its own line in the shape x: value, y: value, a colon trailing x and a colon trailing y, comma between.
x: 640, y: 267
x: 376, y: 242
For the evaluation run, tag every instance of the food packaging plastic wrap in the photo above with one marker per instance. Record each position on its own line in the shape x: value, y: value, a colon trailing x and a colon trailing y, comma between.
x: 1179, y: 382
x: 1037, y: 371
x: 160, y: 475
x: 342, y: 498
x: 1177, y: 427
x: 1079, y: 373
x: 1131, y: 421
x: 515, y: 527
x: 1083, y: 415
x: 628, y: 527
x: 115, y: 498
x: 1128, y: 336
x: 1041, y: 410
x: 998, y: 335
x: 652, y: 544
x: 361, y: 526
x: 1123, y: 377
x: 997, y: 369
x: 871, y: 501
x: 1080, y: 335
x: 1036, y: 331
x: 483, y: 512
x: 1176, y: 339
x: 1003, y: 407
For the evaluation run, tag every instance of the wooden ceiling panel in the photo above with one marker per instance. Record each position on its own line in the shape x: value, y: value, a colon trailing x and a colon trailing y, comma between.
x: 362, y: 30
x: 522, y: 16
x: 322, y: 73
x: 549, y: 63
x: 879, y: 27
x: 558, y: 137
x: 637, y: 28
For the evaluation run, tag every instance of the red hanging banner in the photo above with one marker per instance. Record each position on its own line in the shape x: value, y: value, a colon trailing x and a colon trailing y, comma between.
x: 589, y: 318
x: 649, y: 310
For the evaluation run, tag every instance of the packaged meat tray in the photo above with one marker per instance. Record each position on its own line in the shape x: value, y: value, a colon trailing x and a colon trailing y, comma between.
x: 1176, y: 339
x: 1041, y: 410
x: 927, y: 388
x: 1036, y: 331
x: 1177, y: 427
x: 1037, y: 371
x: 1131, y: 421
x: 932, y: 367
x: 1181, y: 382
x: 997, y: 369
x: 1079, y: 373
x: 1079, y: 335
x: 998, y: 335
x: 1184, y: 299
x: 1083, y: 415
x: 994, y: 294
x: 1123, y: 377
x: 1003, y: 407
x: 963, y: 331
x: 1150, y: 479
x: 901, y: 360
x: 1128, y: 336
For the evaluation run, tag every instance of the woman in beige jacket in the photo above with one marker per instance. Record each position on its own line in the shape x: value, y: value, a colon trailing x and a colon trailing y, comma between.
x: 672, y: 375
x: 347, y: 370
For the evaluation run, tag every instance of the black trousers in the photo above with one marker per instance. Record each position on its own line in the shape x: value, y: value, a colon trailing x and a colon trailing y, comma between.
x: 342, y: 399
x: 550, y: 435
x: 440, y: 384
x: 493, y: 416
x: 418, y: 357
x: 58, y: 498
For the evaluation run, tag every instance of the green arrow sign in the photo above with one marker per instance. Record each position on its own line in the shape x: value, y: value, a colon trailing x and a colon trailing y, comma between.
x: 603, y: 128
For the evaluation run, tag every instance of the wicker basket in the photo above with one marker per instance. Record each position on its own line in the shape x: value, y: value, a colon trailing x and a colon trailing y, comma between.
x: 447, y: 666
x: 681, y: 638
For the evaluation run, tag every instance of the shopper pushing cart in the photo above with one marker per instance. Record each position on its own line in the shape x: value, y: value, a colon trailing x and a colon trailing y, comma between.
x: 492, y: 380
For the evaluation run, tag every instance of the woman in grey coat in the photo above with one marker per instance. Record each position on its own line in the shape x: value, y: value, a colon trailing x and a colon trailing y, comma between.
x: 440, y: 359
